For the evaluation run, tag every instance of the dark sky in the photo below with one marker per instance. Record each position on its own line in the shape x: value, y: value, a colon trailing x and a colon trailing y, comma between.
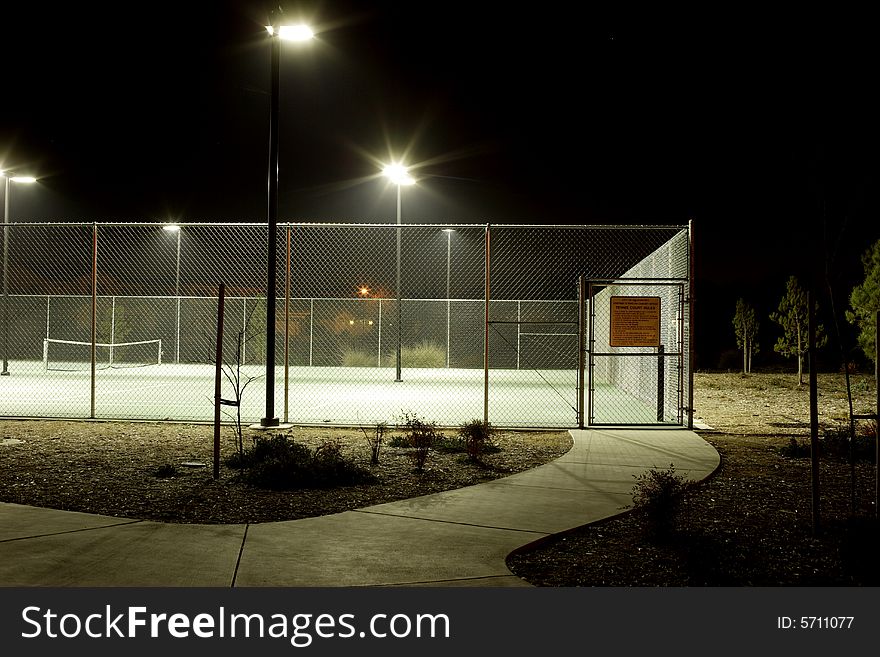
x: 761, y: 127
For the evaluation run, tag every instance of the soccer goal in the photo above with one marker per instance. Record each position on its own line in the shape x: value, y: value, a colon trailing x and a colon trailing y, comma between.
x: 71, y: 355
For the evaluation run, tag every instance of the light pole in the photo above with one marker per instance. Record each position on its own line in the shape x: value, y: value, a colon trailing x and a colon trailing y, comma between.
x: 448, y: 232
x: 288, y: 33
x: 397, y: 174
x: 174, y: 228
x: 8, y: 187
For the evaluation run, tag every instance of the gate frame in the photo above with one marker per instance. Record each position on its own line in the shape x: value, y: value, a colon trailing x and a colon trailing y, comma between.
x: 604, y: 283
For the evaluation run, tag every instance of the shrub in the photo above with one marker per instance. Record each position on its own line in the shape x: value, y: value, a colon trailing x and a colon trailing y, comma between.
x: 448, y: 444
x: 357, y: 358
x: 834, y: 443
x: 165, y: 471
x: 281, y: 464
x: 794, y: 449
x: 866, y: 429
x: 424, y: 354
x: 477, y: 438
x: 419, y: 435
x: 659, y: 494
x: 375, y: 441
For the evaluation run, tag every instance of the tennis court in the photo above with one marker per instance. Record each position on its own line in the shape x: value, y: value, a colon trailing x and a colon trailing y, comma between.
x: 338, y: 396
x: 511, y: 323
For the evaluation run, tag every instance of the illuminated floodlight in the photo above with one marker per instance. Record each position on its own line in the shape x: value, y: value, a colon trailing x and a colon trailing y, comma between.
x: 398, y: 174
x: 364, y: 291
x: 171, y: 228
x: 292, y: 32
x: 23, y: 179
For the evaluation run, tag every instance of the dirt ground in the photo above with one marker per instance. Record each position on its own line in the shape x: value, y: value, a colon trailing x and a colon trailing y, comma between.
x: 163, y: 471
x: 774, y: 404
x: 751, y: 522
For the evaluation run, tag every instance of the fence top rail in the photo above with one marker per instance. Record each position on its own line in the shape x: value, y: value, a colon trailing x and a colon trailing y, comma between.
x: 463, y: 226
x: 624, y: 282
x: 172, y: 297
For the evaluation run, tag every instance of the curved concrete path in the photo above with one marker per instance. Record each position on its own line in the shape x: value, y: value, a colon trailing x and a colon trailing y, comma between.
x: 455, y: 538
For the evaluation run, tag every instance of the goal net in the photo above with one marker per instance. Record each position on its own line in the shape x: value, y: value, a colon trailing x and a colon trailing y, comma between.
x: 70, y: 355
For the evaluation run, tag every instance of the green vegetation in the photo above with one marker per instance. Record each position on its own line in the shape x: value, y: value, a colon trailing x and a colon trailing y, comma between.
x: 424, y: 354
x: 279, y: 463
x: 865, y: 301
x: 659, y: 495
x: 358, y: 358
x: 792, y: 317
x: 418, y: 434
x: 477, y: 438
x: 745, y: 326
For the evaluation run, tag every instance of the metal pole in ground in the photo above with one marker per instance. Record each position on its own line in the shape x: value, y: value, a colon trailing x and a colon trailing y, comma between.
x: 5, y: 371
x: 287, y: 332
x: 582, y: 329
x: 218, y: 365
x: 94, y: 316
x: 486, y: 331
x: 691, y: 350
x: 270, y: 420
x: 399, y: 298
x: 814, y: 409
x: 448, y: 232
x: 177, y: 294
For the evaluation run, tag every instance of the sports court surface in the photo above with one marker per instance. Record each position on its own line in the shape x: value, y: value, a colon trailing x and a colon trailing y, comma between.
x: 316, y: 395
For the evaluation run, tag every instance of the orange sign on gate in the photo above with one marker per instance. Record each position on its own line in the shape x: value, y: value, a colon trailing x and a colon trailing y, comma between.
x: 635, y: 322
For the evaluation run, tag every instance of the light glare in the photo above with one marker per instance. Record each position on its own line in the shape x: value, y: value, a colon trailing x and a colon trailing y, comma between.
x: 397, y: 173
x: 171, y: 228
x: 295, y: 32
x: 23, y: 179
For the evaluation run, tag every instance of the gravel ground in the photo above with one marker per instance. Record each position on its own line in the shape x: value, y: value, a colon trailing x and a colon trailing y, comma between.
x: 750, y: 524
x: 113, y: 468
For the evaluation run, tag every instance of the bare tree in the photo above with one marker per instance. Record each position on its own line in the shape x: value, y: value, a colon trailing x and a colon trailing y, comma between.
x: 237, y: 378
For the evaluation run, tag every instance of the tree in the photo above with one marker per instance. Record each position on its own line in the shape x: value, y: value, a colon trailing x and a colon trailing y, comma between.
x: 792, y: 317
x: 232, y: 370
x: 745, y: 325
x: 865, y: 301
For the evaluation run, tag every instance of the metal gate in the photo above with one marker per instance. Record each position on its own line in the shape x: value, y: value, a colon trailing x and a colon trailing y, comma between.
x: 635, y: 349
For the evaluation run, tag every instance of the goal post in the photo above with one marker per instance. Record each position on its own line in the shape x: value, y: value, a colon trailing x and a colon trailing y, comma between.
x: 74, y: 355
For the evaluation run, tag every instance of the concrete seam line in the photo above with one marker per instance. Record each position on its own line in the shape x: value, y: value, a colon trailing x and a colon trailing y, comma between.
x: 240, y: 552
x: 71, y: 531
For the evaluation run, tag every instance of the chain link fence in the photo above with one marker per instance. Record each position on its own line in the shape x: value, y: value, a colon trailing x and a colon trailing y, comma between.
x: 450, y: 322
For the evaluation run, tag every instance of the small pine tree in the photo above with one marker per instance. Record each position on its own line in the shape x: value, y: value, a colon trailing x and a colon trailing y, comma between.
x: 745, y: 326
x: 865, y: 301
x: 792, y: 317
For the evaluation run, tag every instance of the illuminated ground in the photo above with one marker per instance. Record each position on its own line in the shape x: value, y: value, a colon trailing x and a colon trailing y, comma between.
x: 344, y: 396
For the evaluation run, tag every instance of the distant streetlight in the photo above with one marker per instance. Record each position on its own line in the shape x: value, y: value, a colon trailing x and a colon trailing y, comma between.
x: 174, y: 228
x: 299, y: 33
x: 448, y: 232
x: 397, y: 174
x: 26, y: 180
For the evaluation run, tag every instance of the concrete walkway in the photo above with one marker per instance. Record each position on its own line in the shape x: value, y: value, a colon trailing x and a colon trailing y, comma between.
x: 455, y: 538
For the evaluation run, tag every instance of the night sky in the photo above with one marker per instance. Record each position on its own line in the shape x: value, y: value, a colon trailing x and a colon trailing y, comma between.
x: 760, y: 127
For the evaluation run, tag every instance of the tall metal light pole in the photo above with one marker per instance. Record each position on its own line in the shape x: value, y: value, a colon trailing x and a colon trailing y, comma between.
x: 448, y: 232
x: 9, y: 179
x: 398, y: 175
x: 288, y: 33
x: 174, y: 228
